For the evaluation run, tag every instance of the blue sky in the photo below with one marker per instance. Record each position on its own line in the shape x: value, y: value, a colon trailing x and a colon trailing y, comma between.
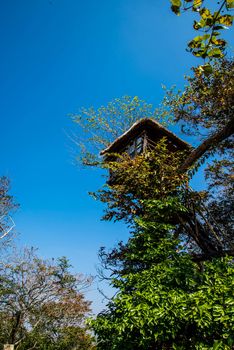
x: 58, y: 56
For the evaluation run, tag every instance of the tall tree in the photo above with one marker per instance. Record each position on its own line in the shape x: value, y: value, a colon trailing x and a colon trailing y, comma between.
x: 203, y: 109
x: 166, y: 298
x: 41, y: 300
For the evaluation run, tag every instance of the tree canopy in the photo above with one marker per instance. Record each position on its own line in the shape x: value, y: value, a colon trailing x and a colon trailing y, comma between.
x: 164, y: 299
x: 167, y: 297
x: 42, y: 304
x: 173, y: 277
x: 103, y: 125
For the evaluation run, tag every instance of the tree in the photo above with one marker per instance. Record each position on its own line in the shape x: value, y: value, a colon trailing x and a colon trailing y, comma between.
x: 168, y: 295
x: 211, y: 22
x: 150, y: 175
x: 102, y: 126
x: 205, y: 110
x: 41, y: 302
x: 7, y: 206
x: 205, y: 107
x: 164, y: 299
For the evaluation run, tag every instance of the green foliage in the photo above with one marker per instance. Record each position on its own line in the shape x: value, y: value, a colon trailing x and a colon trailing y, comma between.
x: 204, y: 108
x: 211, y: 24
x: 168, y: 302
x: 69, y: 338
x: 150, y: 239
x: 151, y: 175
x: 172, y: 305
x: 164, y: 299
x: 221, y: 200
x: 42, y: 305
x: 103, y: 125
x: 206, y: 104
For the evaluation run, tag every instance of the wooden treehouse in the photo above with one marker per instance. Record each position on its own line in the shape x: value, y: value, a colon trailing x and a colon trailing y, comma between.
x: 142, y: 136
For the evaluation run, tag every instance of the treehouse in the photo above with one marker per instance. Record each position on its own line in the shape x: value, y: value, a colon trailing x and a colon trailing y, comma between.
x: 142, y: 136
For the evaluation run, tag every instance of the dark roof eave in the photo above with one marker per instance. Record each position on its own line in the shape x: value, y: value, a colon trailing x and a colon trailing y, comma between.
x: 139, y: 123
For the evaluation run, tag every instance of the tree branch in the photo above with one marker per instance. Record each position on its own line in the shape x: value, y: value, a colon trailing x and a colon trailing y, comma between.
x: 210, y: 256
x: 209, y: 143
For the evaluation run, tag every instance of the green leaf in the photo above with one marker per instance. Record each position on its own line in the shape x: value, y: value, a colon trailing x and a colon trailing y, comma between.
x: 218, y: 42
x: 230, y: 4
x: 226, y: 20
x: 198, y: 25
x: 199, y: 53
x: 176, y: 3
x: 175, y: 6
x: 197, y: 4
x: 217, y: 345
x: 206, y: 69
x: 205, y: 13
x: 217, y: 53
x: 201, y: 37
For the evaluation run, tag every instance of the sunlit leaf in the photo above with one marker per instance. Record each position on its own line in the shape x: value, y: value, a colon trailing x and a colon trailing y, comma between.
x: 205, y: 13
x: 197, y: 4
x: 230, y: 4
x: 218, y: 42
x: 206, y: 69
x: 215, y: 53
x: 175, y: 6
x: 227, y: 20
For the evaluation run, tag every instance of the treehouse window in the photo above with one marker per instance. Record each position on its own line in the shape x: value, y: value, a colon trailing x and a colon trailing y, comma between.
x: 131, y: 149
x: 139, y: 145
x: 135, y: 147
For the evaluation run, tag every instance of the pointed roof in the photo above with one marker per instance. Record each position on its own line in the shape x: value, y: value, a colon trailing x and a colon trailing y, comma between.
x: 139, y: 126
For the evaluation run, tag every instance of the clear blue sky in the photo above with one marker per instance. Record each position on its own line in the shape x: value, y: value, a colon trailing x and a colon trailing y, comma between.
x: 57, y: 56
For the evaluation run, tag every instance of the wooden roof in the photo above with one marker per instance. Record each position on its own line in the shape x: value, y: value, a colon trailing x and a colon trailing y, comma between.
x: 144, y: 124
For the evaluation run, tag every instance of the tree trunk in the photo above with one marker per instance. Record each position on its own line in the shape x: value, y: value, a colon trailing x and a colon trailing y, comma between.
x: 15, y: 327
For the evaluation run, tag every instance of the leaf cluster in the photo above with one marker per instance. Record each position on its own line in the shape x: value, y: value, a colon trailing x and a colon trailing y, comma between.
x: 151, y: 175
x: 168, y: 301
x: 152, y: 236
x: 211, y: 23
x: 103, y: 125
x: 204, y: 108
x: 207, y: 100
